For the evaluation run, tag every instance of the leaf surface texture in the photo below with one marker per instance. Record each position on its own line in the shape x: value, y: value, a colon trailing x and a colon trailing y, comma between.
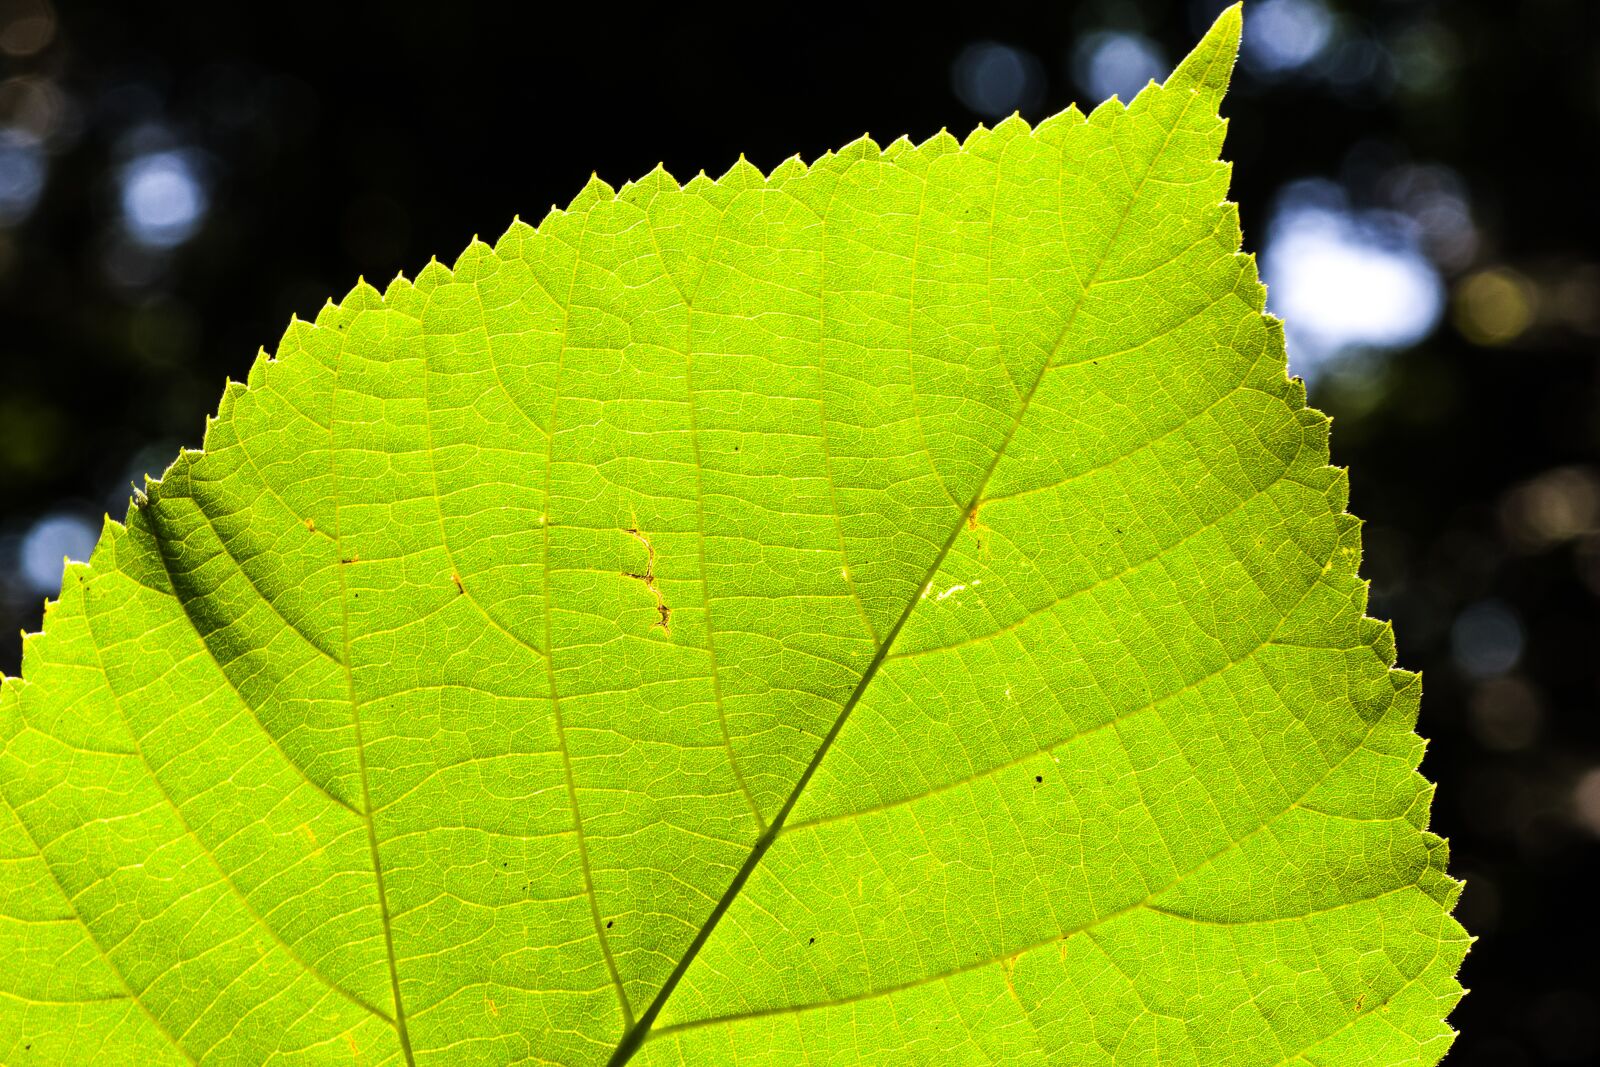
x: 894, y: 610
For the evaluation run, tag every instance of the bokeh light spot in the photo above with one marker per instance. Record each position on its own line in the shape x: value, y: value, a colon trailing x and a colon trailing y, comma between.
x: 26, y: 27
x: 163, y: 199
x: 1494, y: 307
x: 1426, y: 58
x: 1506, y: 715
x: 36, y: 107
x: 1357, y: 65
x: 1285, y: 35
x: 1486, y: 640
x: 1344, y: 279
x: 31, y: 433
x: 47, y: 542
x: 1556, y: 506
x: 996, y: 79
x: 1586, y: 800
x: 1435, y: 198
x: 1110, y: 63
x: 22, y: 174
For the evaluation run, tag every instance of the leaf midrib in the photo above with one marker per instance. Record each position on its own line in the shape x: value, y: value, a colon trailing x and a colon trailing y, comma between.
x: 634, y: 1037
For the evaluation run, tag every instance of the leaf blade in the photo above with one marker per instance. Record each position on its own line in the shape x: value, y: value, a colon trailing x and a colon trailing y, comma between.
x: 543, y: 589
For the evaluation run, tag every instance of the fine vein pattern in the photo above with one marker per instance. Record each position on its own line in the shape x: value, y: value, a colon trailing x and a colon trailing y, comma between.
x: 892, y: 610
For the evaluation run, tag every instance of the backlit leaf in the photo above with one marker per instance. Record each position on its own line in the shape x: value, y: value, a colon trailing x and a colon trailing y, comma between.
x: 894, y: 610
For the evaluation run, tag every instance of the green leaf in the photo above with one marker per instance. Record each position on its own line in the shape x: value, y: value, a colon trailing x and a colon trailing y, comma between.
x: 891, y: 611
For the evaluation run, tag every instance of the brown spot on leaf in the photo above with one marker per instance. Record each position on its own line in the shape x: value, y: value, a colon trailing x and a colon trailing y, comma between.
x: 648, y: 578
x: 976, y: 527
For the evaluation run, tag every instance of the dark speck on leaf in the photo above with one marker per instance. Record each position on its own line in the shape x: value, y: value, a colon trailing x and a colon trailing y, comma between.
x: 813, y: 941
x: 1038, y: 778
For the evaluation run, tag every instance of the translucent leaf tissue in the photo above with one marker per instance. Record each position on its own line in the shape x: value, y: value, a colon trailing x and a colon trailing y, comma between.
x: 892, y: 610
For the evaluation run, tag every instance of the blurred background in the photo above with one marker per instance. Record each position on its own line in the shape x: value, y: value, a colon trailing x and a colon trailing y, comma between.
x: 1417, y: 177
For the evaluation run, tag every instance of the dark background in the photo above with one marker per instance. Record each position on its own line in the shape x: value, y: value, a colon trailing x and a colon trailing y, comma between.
x: 176, y: 179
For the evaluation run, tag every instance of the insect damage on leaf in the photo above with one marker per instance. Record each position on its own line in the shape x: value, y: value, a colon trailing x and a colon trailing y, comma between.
x: 648, y: 578
x: 962, y: 454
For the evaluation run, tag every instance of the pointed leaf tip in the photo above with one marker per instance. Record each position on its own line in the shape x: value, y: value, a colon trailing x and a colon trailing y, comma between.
x: 1208, y: 68
x: 638, y: 332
